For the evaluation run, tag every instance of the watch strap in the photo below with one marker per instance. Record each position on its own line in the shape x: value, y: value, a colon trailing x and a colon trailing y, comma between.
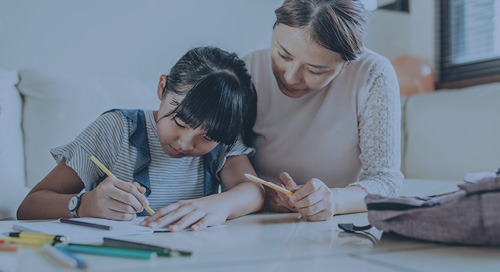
x: 74, y: 212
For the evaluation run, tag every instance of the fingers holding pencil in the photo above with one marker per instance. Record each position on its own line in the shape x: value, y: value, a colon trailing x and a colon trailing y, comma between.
x: 140, y: 196
x: 112, y: 199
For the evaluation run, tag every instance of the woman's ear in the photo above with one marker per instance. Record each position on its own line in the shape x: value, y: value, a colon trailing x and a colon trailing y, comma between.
x: 161, y: 86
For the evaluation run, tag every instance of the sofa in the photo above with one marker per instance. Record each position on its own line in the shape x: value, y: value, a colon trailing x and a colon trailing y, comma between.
x: 445, y: 134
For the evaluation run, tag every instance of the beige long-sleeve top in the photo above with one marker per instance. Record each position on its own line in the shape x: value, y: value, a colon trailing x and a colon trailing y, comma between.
x: 347, y: 133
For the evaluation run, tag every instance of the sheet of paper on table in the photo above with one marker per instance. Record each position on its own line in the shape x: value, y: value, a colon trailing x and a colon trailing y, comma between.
x: 88, y: 235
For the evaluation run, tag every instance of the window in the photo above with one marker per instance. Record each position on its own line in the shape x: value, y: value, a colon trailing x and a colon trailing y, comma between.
x: 470, y: 39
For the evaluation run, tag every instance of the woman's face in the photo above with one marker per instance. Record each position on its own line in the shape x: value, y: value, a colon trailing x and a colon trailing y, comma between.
x: 300, y: 65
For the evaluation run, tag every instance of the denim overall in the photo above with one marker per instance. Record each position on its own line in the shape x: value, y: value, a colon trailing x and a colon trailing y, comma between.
x: 138, y: 138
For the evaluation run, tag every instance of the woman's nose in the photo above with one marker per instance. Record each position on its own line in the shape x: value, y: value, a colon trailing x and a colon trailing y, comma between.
x: 292, y: 75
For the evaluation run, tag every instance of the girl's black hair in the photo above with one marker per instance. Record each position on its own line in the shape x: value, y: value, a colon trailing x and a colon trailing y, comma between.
x: 219, y: 94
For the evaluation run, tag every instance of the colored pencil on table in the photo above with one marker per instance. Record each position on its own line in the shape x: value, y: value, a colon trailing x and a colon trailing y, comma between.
x: 26, y: 242
x: 161, y: 251
x: 38, y: 236
x: 64, y: 257
x: 8, y: 248
x: 110, y: 251
x: 85, y: 224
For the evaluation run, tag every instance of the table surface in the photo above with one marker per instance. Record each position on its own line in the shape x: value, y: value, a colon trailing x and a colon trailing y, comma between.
x: 278, y: 242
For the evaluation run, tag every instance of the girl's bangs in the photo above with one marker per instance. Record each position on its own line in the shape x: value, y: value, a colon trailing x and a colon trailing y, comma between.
x: 215, y: 105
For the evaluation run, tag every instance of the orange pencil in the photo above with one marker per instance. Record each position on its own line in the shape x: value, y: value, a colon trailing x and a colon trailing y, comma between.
x: 8, y: 248
x: 268, y: 184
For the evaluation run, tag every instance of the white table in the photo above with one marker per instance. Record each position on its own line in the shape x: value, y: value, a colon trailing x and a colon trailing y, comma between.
x: 279, y: 242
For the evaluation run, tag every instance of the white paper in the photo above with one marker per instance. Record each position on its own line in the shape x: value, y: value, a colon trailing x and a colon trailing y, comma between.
x: 83, y: 234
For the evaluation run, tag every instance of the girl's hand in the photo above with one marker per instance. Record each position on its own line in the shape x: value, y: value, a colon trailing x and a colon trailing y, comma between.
x: 314, y: 200
x: 198, y: 213
x: 114, y: 199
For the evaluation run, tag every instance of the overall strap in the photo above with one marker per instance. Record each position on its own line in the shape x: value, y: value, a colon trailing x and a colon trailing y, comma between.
x: 138, y: 138
x: 210, y: 169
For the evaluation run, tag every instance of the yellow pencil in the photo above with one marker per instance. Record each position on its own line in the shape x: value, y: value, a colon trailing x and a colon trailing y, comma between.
x: 268, y: 184
x: 26, y: 242
x: 105, y: 170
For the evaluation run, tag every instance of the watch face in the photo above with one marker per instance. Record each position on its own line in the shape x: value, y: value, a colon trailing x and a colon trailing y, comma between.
x: 72, y: 203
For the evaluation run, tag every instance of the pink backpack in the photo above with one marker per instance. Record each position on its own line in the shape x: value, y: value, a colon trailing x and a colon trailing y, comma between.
x: 470, y: 215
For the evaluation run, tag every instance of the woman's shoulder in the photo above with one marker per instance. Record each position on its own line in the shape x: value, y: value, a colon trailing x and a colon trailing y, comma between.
x: 371, y: 65
x: 369, y: 59
x: 257, y: 58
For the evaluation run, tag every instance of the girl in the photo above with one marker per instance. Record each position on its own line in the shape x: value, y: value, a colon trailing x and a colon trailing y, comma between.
x: 171, y: 159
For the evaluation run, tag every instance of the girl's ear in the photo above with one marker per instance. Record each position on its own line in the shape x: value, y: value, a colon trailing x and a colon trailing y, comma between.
x: 161, y: 86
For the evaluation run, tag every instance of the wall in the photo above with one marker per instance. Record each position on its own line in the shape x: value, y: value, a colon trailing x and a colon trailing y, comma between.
x: 393, y: 33
x: 144, y: 38
x: 127, y: 37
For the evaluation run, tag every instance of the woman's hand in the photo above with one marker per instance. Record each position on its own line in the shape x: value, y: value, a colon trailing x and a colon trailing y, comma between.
x: 114, y: 199
x: 313, y: 200
x: 279, y: 202
x: 198, y: 213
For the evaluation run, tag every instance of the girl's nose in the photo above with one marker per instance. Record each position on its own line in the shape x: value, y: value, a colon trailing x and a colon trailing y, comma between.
x: 186, y: 142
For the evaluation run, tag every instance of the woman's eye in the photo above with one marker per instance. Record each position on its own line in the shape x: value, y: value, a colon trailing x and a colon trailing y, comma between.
x: 314, y: 72
x: 284, y: 57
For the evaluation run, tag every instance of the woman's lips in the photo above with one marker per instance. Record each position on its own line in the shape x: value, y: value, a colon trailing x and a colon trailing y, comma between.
x: 291, y: 89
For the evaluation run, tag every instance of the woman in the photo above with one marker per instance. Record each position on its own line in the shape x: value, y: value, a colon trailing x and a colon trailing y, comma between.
x: 328, y: 111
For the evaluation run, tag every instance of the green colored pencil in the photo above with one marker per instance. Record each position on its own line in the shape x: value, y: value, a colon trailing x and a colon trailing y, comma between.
x: 110, y: 251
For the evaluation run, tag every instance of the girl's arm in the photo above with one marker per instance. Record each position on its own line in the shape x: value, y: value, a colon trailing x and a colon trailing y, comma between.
x: 242, y: 197
x: 49, y: 198
x: 112, y: 199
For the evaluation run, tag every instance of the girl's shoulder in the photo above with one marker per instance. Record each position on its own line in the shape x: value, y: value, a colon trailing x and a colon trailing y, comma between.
x: 112, y: 120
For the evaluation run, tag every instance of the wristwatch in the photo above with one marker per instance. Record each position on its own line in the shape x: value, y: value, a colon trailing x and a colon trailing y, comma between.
x: 74, y: 204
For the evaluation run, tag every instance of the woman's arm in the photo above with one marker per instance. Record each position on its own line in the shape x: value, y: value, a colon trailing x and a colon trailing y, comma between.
x: 112, y: 199
x: 379, y: 118
x: 241, y: 197
x: 315, y: 201
x: 379, y: 141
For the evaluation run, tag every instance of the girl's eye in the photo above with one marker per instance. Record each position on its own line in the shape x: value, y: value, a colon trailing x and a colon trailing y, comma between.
x: 177, y: 123
x: 208, y: 138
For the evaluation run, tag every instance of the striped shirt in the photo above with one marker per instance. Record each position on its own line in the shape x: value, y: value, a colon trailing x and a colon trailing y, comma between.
x: 107, y: 138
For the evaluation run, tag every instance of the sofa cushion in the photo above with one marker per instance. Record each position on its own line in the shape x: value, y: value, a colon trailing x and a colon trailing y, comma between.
x: 11, y: 135
x: 59, y: 105
x: 452, y: 132
x: 12, y: 179
x: 428, y: 187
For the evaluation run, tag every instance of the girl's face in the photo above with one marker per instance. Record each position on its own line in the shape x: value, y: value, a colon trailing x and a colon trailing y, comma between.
x: 300, y: 65
x: 176, y: 137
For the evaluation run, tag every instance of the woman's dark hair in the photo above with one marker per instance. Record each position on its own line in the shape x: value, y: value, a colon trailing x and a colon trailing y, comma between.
x: 219, y: 94
x: 337, y: 25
